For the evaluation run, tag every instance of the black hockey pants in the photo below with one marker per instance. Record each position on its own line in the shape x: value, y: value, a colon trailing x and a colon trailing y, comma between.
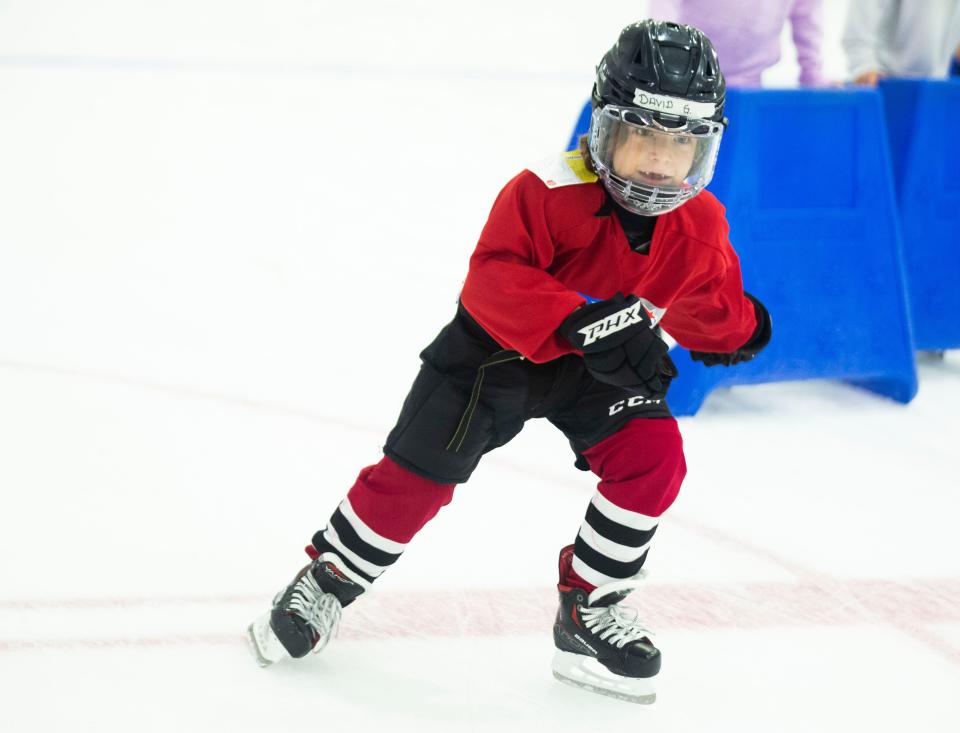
x: 472, y: 396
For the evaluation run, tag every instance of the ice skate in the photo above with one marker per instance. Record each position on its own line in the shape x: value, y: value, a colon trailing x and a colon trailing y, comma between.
x: 601, y: 646
x: 305, y: 615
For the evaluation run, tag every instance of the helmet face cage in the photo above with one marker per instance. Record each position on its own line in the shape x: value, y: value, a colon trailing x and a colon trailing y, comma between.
x: 651, y: 163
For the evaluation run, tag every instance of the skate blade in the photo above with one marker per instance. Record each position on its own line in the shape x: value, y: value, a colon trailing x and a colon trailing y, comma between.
x: 264, y: 645
x: 588, y: 674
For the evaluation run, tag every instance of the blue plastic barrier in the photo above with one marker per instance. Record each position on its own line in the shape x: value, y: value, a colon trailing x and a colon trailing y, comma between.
x: 583, y: 124
x: 923, y: 118
x: 805, y: 177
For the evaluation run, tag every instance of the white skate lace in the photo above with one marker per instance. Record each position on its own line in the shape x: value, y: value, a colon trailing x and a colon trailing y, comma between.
x: 614, y: 623
x: 321, y: 611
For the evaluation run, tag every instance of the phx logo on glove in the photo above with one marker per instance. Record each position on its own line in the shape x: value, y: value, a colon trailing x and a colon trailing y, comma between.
x: 614, y: 322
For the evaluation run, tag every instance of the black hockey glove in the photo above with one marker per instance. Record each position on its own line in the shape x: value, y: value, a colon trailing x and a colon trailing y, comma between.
x: 618, y: 343
x: 755, y: 344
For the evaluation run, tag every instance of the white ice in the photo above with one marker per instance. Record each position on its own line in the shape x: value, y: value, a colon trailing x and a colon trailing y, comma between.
x: 226, y: 231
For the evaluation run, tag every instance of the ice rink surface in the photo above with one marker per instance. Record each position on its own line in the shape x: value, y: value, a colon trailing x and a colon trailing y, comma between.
x: 226, y: 231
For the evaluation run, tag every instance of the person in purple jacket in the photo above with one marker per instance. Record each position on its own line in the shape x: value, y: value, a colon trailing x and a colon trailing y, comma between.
x: 746, y: 34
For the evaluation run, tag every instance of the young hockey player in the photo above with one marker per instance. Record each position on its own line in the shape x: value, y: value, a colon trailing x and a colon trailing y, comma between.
x: 582, y: 262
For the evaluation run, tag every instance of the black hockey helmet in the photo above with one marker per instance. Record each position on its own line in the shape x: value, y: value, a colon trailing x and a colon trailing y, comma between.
x: 657, y: 117
x: 661, y: 58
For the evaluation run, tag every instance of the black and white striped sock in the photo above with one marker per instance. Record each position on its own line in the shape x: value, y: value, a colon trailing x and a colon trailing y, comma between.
x: 352, y: 546
x: 612, y: 542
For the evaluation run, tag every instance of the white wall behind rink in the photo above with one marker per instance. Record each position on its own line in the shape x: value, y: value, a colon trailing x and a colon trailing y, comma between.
x: 561, y: 37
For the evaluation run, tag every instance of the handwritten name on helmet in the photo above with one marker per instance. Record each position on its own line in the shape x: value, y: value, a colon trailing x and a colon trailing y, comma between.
x: 613, y: 323
x: 673, y: 105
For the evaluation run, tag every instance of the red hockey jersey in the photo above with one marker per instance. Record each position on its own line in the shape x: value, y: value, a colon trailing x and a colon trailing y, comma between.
x: 542, y: 247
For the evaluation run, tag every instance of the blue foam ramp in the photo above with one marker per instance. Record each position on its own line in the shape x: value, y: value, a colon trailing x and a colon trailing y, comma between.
x: 922, y: 118
x: 806, y: 179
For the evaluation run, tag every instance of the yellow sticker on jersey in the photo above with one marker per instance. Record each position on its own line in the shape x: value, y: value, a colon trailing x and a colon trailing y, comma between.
x: 567, y: 169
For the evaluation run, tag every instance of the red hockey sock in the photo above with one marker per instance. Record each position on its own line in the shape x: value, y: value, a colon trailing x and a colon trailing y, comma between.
x: 395, y: 502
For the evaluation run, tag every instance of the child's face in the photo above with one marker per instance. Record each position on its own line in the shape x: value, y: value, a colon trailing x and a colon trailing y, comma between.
x: 652, y: 157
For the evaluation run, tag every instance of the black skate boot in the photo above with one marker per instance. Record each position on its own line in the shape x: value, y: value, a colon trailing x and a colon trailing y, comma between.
x: 602, y: 647
x: 305, y: 614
